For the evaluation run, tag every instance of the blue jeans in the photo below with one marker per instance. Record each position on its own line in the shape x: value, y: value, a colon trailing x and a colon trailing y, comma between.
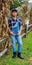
x: 19, y: 40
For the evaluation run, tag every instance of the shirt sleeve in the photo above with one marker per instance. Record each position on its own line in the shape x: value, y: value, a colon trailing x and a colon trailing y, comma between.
x: 20, y: 22
x: 9, y: 22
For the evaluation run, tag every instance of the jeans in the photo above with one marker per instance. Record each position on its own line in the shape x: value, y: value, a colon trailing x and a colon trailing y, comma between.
x: 19, y: 40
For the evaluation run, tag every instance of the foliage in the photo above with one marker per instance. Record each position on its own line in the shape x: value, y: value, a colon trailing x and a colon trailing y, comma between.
x: 15, y: 3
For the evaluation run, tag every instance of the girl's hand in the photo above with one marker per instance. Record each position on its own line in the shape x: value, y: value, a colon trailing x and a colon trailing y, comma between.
x: 12, y: 33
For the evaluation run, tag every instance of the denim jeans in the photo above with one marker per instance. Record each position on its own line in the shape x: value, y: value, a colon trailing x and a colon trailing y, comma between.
x: 19, y: 41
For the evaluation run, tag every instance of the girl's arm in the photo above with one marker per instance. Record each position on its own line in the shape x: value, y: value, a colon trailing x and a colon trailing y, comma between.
x: 8, y: 29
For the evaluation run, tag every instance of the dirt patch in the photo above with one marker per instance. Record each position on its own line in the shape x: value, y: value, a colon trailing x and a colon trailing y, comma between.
x: 30, y: 60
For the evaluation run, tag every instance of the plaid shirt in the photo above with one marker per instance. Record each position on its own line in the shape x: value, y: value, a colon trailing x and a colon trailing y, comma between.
x: 12, y: 22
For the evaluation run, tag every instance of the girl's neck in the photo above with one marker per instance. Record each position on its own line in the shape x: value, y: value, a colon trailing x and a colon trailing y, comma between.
x: 14, y: 18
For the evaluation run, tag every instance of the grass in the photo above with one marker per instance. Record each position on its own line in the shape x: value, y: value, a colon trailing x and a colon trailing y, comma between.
x: 26, y: 51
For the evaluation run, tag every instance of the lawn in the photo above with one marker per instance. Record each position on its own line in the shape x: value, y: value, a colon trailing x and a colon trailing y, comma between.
x: 26, y: 51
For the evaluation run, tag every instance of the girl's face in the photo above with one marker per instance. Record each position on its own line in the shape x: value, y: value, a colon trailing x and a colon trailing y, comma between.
x: 14, y: 14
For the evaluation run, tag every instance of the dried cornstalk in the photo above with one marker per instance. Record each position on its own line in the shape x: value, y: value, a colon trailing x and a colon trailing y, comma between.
x: 4, y: 10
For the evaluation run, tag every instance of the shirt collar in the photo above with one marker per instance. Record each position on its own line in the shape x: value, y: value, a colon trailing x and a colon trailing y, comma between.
x: 13, y: 19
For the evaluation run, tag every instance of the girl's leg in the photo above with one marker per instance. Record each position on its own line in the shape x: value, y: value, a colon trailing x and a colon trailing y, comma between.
x: 19, y: 47
x: 13, y: 43
x: 19, y: 40
x: 13, y: 46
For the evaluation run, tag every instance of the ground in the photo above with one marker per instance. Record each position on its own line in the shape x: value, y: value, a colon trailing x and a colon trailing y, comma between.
x: 26, y: 51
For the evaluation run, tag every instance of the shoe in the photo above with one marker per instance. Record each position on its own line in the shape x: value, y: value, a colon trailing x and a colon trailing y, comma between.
x: 14, y: 55
x: 20, y: 56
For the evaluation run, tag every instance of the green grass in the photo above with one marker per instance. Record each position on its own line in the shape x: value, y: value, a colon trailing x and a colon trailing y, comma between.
x: 26, y: 51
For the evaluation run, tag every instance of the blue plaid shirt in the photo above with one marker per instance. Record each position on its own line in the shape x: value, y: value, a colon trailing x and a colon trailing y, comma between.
x: 12, y: 22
